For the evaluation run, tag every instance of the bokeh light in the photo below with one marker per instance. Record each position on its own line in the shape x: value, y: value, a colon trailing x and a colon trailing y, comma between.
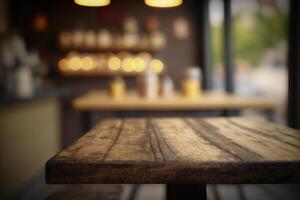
x: 128, y: 65
x: 75, y: 63
x: 63, y: 64
x: 114, y: 63
x: 157, y: 65
x: 139, y: 64
x: 87, y: 63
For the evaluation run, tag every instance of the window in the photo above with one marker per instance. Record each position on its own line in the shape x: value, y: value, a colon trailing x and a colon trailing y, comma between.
x: 259, y: 29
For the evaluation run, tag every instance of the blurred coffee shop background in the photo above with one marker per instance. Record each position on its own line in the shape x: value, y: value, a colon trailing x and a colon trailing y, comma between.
x: 53, y: 51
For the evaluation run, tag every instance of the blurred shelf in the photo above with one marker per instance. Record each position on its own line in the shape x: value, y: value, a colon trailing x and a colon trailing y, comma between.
x: 101, y: 74
x: 112, y: 50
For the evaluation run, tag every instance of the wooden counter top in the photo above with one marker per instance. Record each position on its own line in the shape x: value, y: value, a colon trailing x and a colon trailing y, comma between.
x: 101, y: 100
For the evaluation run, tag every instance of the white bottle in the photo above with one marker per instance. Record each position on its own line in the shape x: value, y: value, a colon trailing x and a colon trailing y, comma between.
x: 148, y: 84
x: 24, y: 86
x: 166, y: 86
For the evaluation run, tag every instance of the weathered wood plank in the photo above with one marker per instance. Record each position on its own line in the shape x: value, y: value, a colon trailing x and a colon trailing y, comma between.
x: 277, y: 130
x: 155, y: 144
x: 133, y: 144
x: 256, y: 141
x: 105, y: 133
x: 176, y: 150
x: 184, y: 144
x: 212, y: 134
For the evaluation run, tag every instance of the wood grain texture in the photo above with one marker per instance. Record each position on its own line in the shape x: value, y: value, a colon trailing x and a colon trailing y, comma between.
x: 180, y: 150
x: 100, y: 100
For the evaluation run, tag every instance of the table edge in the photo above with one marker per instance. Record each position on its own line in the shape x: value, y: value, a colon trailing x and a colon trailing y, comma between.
x: 62, y: 172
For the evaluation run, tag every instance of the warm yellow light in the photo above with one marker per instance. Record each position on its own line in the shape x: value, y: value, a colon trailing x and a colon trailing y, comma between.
x: 92, y: 3
x: 114, y: 63
x: 139, y: 64
x: 146, y: 56
x: 101, y: 62
x: 72, y: 54
x: 63, y: 64
x: 87, y: 63
x: 128, y: 65
x: 75, y: 63
x: 157, y: 65
x: 163, y: 3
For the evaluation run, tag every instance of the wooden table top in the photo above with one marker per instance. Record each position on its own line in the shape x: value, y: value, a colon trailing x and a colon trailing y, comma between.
x: 180, y: 150
x: 101, y: 100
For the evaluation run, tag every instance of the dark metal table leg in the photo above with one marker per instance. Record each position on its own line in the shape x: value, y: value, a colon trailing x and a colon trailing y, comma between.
x: 186, y: 191
x: 270, y: 115
x: 134, y: 191
x: 230, y: 113
x: 86, y: 123
x: 241, y: 192
x: 215, y: 192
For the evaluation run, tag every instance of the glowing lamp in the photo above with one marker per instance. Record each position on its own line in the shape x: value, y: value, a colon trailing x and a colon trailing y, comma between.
x: 163, y: 3
x: 92, y: 3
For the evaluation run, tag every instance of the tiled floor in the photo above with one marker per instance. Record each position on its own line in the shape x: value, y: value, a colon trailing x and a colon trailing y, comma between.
x: 39, y: 190
x: 227, y: 192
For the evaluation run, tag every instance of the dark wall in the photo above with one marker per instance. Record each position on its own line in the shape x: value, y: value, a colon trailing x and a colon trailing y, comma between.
x: 66, y: 15
x: 294, y: 66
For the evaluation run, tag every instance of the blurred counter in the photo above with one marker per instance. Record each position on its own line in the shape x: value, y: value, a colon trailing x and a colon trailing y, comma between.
x: 30, y: 133
x: 42, y: 94
x: 101, y: 100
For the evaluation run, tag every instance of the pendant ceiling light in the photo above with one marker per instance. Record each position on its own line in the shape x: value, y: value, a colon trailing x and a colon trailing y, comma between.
x: 163, y: 3
x: 92, y: 3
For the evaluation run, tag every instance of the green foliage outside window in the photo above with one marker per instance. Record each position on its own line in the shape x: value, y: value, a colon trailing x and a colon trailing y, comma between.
x: 251, y: 40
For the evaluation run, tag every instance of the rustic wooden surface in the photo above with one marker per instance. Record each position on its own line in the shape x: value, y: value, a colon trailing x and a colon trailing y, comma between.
x: 180, y: 150
x: 101, y: 100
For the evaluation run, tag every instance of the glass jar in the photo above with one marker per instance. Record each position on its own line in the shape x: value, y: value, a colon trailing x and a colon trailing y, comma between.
x: 166, y: 86
x: 148, y: 84
x: 191, y: 82
x: 117, y: 87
